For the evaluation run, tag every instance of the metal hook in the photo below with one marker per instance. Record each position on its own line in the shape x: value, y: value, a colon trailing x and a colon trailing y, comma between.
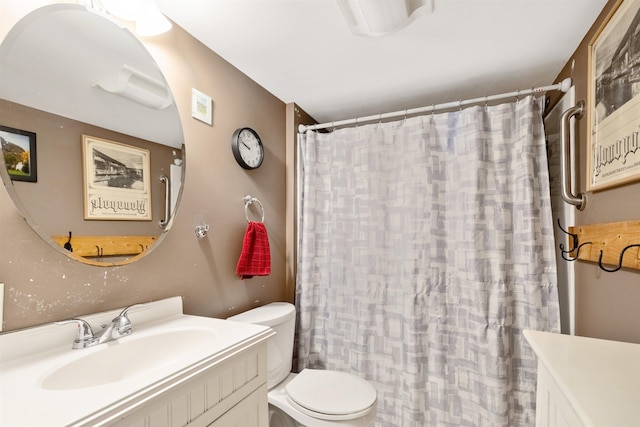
x: 486, y: 101
x: 67, y: 245
x: 575, y: 245
x: 99, y: 250
x: 517, y: 94
x: 460, y: 104
x: 619, y: 260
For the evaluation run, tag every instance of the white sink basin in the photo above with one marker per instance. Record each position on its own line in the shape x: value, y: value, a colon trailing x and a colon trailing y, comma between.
x: 38, y: 367
x: 127, y: 357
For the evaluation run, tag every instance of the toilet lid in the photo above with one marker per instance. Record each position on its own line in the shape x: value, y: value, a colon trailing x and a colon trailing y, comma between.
x: 330, y: 394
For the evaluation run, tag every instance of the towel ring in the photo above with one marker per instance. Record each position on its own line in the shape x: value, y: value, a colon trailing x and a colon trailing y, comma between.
x: 249, y: 200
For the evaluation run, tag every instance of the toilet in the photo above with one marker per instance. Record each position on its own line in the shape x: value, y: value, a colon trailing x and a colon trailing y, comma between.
x: 312, y: 398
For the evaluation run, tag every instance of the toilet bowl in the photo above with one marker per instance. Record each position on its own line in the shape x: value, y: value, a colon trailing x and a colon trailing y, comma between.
x: 312, y: 398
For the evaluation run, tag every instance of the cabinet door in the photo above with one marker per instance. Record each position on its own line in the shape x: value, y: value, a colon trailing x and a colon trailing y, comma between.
x: 552, y: 407
x: 253, y: 411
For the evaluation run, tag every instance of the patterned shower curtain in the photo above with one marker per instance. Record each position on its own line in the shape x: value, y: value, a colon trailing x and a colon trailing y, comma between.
x: 426, y: 248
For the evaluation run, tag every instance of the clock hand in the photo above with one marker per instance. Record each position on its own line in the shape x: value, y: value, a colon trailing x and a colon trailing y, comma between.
x: 243, y: 143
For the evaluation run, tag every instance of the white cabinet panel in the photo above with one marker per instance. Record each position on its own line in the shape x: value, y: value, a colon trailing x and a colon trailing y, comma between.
x: 253, y: 411
x: 233, y: 390
x: 586, y: 381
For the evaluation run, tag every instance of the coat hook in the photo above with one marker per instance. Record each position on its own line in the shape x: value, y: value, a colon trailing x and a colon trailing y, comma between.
x: 67, y: 245
x: 619, y: 260
x: 576, y: 245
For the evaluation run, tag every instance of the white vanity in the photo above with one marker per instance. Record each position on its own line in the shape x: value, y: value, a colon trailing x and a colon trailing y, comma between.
x: 586, y: 381
x: 174, y: 369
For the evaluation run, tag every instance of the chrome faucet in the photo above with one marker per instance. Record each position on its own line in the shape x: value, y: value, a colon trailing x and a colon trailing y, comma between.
x: 119, y: 327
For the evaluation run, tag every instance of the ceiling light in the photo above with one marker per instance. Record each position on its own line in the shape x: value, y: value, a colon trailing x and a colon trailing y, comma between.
x: 129, y: 10
x: 380, y: 17
x: 148, y: 18
x: 152, y: 22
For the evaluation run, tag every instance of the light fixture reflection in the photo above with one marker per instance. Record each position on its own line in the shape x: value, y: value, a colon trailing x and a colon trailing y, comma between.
x: 136, y: 86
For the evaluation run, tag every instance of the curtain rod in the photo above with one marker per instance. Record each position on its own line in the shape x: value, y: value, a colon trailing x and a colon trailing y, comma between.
x: 563, y: 86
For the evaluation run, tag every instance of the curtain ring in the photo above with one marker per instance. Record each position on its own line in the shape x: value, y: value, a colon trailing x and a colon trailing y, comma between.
x: 433, y: 109
x: 486, y: 101
x: 517, y: 94
x: 460, y: 105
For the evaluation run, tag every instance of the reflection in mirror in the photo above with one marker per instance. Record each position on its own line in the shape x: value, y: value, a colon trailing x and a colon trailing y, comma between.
x: 67, y: 73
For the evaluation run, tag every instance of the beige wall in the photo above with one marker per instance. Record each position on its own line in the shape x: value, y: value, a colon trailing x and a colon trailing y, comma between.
x: 43, y: 285
x: 607, y: 304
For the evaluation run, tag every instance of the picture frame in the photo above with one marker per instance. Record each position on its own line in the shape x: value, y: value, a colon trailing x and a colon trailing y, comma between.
x: 116, y: 179
x: 19, y: 154
x: 201, y: 106
x: 613, y: 157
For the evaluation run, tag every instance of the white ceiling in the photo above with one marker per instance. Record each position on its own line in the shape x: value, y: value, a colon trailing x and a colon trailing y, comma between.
x: 302, y: 50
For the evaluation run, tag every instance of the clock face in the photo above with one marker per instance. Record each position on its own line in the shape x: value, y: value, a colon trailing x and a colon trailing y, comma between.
x: 247, y: 148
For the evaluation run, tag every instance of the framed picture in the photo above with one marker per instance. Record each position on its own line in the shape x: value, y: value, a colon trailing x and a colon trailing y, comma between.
x: 201, y: 106
x: 116, y: 180
x: 614, y: 99
x: 19, y: 154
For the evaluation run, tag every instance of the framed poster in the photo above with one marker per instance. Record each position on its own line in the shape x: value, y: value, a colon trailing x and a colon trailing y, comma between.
x: 614, y: 99
x: 116, y: 180
x: 19, y: 154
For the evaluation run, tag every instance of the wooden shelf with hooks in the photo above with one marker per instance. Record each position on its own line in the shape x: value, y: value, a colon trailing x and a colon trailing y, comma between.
x: 610, y: 240
x: 95, y: 246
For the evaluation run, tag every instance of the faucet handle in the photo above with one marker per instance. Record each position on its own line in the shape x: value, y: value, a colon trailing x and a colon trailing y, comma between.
x: 122, y: 323
x: 126, y: 309
x: 85, y: 335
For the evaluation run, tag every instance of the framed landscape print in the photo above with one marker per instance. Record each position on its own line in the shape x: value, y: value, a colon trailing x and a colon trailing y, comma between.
x: 614, y: 99
x: 116, y: 181
x: 19, y: 153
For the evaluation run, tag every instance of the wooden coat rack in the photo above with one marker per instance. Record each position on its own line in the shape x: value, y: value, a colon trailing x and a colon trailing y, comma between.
x: 99, y: 246
x: 612, y: 245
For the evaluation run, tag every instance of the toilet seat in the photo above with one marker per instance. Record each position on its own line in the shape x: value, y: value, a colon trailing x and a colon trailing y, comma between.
x: 330, y: 395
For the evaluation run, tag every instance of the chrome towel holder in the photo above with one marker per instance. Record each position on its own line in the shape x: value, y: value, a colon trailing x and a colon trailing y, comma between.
x: 249, y: 200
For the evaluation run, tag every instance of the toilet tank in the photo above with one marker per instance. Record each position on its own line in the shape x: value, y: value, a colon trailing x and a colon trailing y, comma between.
x: 281, y: 317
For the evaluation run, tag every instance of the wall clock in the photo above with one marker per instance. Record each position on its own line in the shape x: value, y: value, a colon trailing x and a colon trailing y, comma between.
x: 247, y: 148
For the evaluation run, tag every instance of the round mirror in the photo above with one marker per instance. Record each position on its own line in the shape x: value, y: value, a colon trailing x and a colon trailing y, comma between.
x: 91, y: 137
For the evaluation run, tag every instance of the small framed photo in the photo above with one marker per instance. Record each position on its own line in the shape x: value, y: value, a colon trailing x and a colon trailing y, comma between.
x: 201, y: 106
x: 116, y: 180
x: 614, y: 99
x: 19, y: 154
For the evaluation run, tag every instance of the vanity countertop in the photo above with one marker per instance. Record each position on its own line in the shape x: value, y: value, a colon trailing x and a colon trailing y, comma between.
x: 600, y: 378
x: 28, y: 357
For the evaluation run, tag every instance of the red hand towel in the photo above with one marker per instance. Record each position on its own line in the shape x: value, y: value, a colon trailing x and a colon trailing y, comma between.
x: 255, y: 259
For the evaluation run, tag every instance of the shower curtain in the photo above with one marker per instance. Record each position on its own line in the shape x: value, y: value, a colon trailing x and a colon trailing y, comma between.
x: 426, y: 248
